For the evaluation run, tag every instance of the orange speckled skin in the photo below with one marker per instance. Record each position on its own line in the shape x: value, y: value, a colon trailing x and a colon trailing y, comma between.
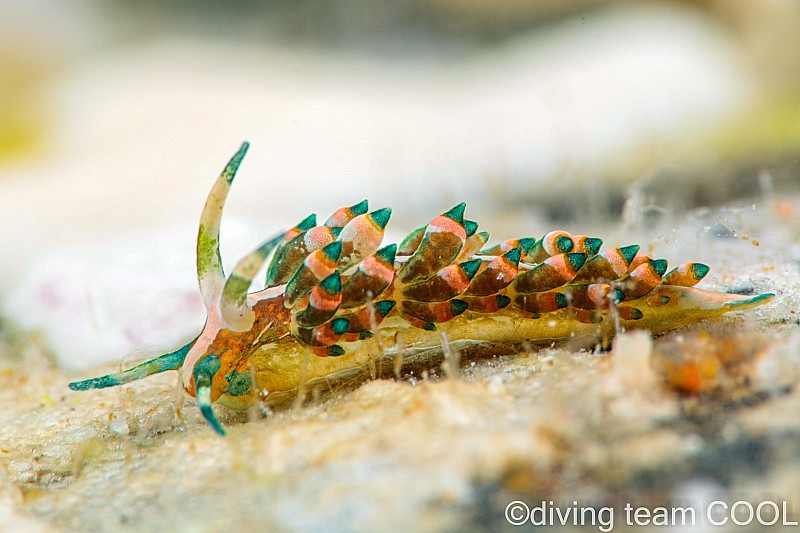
x: 235, y: 348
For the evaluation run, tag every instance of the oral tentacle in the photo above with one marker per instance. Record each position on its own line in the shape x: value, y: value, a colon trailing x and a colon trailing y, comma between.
x: 204, y: 373
x: 210, y: 274
x: 162, y: 363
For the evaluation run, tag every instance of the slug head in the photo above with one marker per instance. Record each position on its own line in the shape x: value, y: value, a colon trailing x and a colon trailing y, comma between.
x: 211, y: 364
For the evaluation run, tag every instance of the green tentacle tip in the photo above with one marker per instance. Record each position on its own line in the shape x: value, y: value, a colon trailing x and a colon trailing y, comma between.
x: 333, y: 250
x: 629, y: 252
x: 233, y: 165
x: 526, y: 244
x: 307, y: 223
x: 592, y: 245
x: 340, y: 325
x: 514, y: 255
x: 208, y: 413
x: 457, y: 213
x: 381, y: 216
x: 95, y: 383
x: 470, y: 268
x: 387, y: 253
x: 366, y: 334
x: 204, y: 372
x: 561, y: 300
x: 502, y: 301
x: 336, y: 231
x: 471, y: 227
x: 458, y: 306
x: 429, y: 326
x: 335, y: 350
x: 484, y: 235
x: 360, y: 208
x: 332, y: 284
x: 384, y: 307
x: 699, y: 271
x: 636, y: 314
x: 659, y: 265
x: 162, y: 363
x: 576, y: 260
x: 564, y: 244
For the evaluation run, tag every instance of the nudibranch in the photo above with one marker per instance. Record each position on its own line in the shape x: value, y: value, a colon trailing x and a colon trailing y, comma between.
x: 331, y: 288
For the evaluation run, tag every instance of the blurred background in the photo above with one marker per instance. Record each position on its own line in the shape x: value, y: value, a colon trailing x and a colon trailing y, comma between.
x: 115, y: 118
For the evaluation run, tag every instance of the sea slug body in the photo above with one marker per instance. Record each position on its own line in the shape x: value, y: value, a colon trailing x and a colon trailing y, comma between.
x: 332, y: 287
